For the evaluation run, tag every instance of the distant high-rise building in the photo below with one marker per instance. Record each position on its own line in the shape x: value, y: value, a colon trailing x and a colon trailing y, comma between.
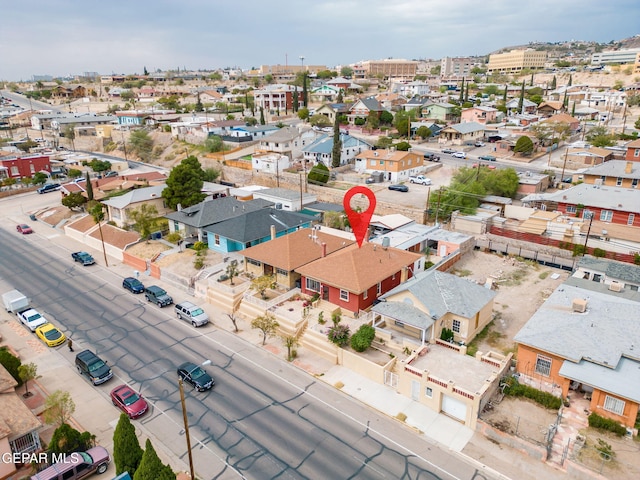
x: 42, y: 78
x: 393, y: 68
x: 516, y: 61
x: 456, y: 66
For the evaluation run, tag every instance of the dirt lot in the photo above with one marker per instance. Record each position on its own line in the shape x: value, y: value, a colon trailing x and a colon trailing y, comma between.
x: 521, y: 288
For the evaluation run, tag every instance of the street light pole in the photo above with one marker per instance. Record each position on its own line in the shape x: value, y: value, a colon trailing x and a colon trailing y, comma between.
x: 186, y: 421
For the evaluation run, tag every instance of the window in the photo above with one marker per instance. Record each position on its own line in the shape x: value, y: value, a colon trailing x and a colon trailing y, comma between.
x: 381, y: 162
x: 571, y: 209
x: 32, y: 169
x: 636, y: 152
x: 631, y: 218
x: 619, y: 181
x: 312, y: 285
x: 372, y: 163
x: 428, y: 391
x: 543, y: 365
x: 254, y: 262
x: 614, y: 405
x: 379, y: 289
x: 365, y: 294
x: 216, y: 239
x: 634, y: 183
x: 344, y: 295
x: 606, y: 215
x: 456, y: 326
x: 596, y: 277
x: 14, y: 171
x: 281, y: 272
x: 398, y: 324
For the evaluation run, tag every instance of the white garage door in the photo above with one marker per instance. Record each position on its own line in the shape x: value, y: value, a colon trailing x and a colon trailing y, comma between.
x: 454, y: 407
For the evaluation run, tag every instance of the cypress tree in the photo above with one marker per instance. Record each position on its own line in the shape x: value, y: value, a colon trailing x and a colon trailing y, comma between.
x: 570, y: 80
x: 151, y: 468
x: 336, y: 151
x: 340, y: 99
x: 553, y: 83
x: 304, y: 90
x: 461, y: 99
x: 89, y: 187
x: 127, y: 452
x: 262, y: 122
x: 504, y: 95
x: 531, y: 82
x: 296, y: 100
x: 466, y: 94
x: 521, y: 101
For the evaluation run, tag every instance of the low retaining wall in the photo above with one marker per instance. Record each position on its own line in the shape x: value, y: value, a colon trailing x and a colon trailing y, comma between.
x: 516, y: 443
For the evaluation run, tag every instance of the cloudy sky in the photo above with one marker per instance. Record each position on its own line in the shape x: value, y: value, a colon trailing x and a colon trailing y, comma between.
x: 65, y: 37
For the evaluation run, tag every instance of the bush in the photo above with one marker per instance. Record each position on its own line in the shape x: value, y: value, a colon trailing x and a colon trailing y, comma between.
x: 339, y: 334
x: 446, y: 335
x: 601, y: 423
x: 599, y: 253
x: 545, y: 399
x: 319, y: 174
x: 173, y: 237
x: 361, y: 340
x: 11, y: 363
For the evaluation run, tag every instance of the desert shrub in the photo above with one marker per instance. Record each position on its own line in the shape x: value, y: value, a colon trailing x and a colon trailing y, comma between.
x: 361, y: 340
x: 339, y: 334
x: 601, y: 423
x: 173, y: 237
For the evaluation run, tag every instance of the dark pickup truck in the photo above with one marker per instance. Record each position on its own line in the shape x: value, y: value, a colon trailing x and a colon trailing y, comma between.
x: 91, y: 365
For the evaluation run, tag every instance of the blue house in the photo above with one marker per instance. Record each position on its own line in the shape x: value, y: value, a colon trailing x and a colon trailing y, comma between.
x: 252, y: 228
x: 321, y: 150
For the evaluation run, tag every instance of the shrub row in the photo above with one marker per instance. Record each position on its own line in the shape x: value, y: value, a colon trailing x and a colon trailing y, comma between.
x: 545, y: 399
x: 596, y: 421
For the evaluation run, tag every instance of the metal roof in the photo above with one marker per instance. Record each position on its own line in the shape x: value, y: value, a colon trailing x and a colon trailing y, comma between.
x: 624, y: 380
x: 404, y: 312
x: 136, y: 196
x: 589, y: 195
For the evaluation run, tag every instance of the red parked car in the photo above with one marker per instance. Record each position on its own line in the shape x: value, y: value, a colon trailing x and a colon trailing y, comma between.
x: 24, y: 229
x: 127, y: 400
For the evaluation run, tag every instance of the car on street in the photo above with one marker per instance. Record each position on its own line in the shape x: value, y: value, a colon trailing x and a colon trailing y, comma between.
x: 130, y: 402
x: 50, y: 335
x: 49, y: 187
x: 490, y: 167
x: 195, y: 376
x: 24, y: 229
x: 76, y: 465
x: 488, y: 158
x: 478, y: 144
x: 448, y: 150
x: 31, y: 318
x: 133, y: 285
x: 83, y: 257
x: 91, y: 365
x: 399, y: 187
x: 459, y: 155
x: 158, y: 296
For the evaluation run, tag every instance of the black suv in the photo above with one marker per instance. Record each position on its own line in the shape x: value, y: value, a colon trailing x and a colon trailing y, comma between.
x: 158, y: 296
x: 49, y: 187
x: 91, y: 365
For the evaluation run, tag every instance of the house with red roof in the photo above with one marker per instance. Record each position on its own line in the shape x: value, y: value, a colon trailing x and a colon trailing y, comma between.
x: 353, y: 278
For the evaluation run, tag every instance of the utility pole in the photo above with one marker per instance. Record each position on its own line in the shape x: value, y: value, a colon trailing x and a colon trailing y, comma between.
x: 564, y: 164
x: 425, y: 216
x: 588, y: 232
x: 438, y: 204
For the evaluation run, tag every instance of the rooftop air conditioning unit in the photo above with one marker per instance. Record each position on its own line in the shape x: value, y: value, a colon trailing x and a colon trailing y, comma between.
x: 579, y: 305
x: 616, y: 286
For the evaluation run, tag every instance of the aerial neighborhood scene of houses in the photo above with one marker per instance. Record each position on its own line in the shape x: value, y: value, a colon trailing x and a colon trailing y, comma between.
x: 495, y: 287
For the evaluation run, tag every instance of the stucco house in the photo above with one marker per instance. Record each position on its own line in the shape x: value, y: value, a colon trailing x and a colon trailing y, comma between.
x: 594, y: 352
x: 438, y: 111
x: 353, y: 278
x: 331, y: 110
x: 283, y: 255
x: 447, y: 300
x: 396, y: 165
x: 617, y: 173
x: 119, y: 208
x: 321, y: 150
x: 253, y: 228
x: 288, y: 141
x: 479, y: 114
x: 462, y: 133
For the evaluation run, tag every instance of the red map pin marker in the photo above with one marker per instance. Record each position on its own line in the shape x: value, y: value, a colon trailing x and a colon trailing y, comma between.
x: 359, y: 220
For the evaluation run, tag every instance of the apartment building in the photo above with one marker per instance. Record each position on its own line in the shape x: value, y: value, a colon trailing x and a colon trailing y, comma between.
x: 615, y: 56
x: 391, y: 68
x: 516, y: 61
x: 456, y: 66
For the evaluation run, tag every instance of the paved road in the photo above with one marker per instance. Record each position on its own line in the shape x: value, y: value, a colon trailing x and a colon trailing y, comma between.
x: 264, y: 418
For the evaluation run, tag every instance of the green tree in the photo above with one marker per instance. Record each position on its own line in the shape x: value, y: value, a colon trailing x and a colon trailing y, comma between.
x: 97, y: 212
x: 303, y: 114
x: 58, y: 408
x: 141, y: 144
x: 27, y: 372
x: 210, y: 174
x: 340, y: 97
x: 73, y: 200
x: 89, y: 186
x: 336, y: 150
x: 295, y: 101
x: 637, y: 124
x: 67, y: 439
x: 213, y: 144
x: 262, y: 284
x: 319, y: 121
x: 524, y: 145
x: 554, y: 83
x: 100, y: 165
x: 267, y: 324
x: 305, y: 96
x: 262, y: 121
x: 198, y: 107
x: 11, y: 363
x: 144, y: 218
x: 461, y: 98
x: 291, y: 342
x: 599, y: 136
x: 361, y: 340
x: 384, y: 142
x: 151, y: 468
x: 403, y: 146
x: 504, y: 95
x: 127, y: 452
x: 423, y: 132
x: 521, y: 100
x: 386, y: 117
x: 39, y: 178
x: 318, y: 175
x: 373, y: 121
x: 184, y: 184
x: 346, y: 72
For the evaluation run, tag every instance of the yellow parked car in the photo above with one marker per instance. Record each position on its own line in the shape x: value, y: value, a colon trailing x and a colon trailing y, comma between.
x: 50, y: 335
